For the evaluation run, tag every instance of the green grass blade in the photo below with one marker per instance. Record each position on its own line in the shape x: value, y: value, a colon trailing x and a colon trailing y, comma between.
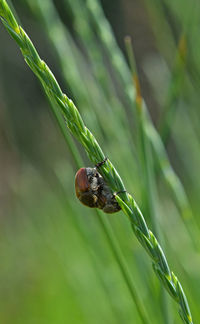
x: 85, y: 137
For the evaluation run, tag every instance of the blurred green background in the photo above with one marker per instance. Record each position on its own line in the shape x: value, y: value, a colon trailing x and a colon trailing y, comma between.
x: 57, y: 261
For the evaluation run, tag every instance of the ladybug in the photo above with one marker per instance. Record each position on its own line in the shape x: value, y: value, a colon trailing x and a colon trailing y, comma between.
x: 93, y: 192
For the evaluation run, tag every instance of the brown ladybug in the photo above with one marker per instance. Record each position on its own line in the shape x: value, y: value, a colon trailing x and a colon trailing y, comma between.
x: 92, y: 191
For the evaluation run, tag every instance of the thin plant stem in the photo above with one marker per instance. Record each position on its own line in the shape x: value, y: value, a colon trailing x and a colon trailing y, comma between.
x: 173, y: 93
x: 149, y: 189
x: 163, y: 164
x: 122, y: 265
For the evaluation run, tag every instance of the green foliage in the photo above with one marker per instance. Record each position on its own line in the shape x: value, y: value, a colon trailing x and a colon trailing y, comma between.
x: 113, y: 128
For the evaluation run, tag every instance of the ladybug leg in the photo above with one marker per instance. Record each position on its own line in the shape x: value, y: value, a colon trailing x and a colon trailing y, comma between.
x: 118, y: 192
x: 98, y: 165
x: 111, y: 207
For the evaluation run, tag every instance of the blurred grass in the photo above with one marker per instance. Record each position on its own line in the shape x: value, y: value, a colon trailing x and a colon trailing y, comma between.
x: 49, y: 272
